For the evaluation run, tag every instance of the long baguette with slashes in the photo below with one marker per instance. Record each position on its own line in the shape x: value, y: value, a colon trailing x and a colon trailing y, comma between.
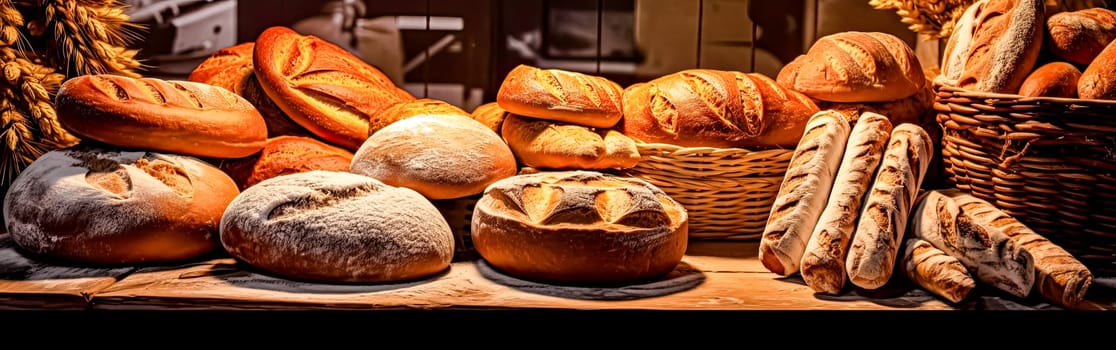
x: 803, y: 192
x: 935, y: 271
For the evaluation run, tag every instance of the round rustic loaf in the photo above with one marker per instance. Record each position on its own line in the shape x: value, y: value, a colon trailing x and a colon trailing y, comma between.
x: 579, y: 227
x: 855, y: 66
x: 99, y: 206
x: 331, y: 226
x: 284, y: 155
x: 1053, y: 79
x: 1079, y: 36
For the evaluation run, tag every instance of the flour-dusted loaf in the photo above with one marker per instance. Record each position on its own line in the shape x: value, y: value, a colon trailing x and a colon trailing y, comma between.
x: 823, y: 263
x: 181, y: 117
x: 331, y: 226
x: 93, y: 205
x: 935, y: 271
x: 579, y: 227
x: 563, y: 96
x: 995, y: 45
x: 855, y: 66
x: 953, y: 222
x: 879, y: 232
x: 547, y: 144
x: 803, y: 192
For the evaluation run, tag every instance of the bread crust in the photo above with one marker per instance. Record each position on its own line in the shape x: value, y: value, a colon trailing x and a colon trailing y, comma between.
x: 1098, y: 81
x: 854, y: 66
x: 283, y: 155
x: 934, y: 270
x: 995, y: 45
x: 548, y: 144
x: 560, y: 95
x: 1054, y: 79
x: 1079, y: 36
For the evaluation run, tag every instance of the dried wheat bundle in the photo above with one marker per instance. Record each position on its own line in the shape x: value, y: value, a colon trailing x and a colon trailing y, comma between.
x: 934, y: 19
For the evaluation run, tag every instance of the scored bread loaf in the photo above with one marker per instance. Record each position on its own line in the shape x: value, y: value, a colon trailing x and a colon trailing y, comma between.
x: 1079, y: 36
x: 1098, y: 81
x: 785, y: 113
x: 879, y: 232
x: 823, y: 263
x: 934, y: 270
x: 995, y: 45
x: 803, y: 192
x: 1054, y: 79
x: 854, y: 66
x: 559, y: 95
x: 548, y: 144
x: 283, y: 155
x: 947, y: 219
x: 917, y: 108
x: 407, y: 109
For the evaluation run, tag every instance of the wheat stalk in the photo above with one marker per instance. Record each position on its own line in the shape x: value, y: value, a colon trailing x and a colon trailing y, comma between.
x: 89, y: 37
x: 935, y: 19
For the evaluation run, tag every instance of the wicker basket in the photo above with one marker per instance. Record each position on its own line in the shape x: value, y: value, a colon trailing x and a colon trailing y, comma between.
x: 459, y: 215
x: 727, y: 192
x: 1049, y: 162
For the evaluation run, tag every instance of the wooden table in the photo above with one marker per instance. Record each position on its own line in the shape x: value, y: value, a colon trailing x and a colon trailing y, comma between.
x: 714, y: 275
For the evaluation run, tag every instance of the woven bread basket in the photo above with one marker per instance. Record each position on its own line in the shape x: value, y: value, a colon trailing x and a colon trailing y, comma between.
x: 459, y: 215
x: 1049, y: 162
x: 727, y: 192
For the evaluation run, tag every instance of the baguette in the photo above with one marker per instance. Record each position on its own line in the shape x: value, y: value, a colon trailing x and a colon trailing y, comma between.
x: 956, y: 224
x: 883, y: 220
x: 823, y: 265
x: 803, y: 192
x: 935, y: 271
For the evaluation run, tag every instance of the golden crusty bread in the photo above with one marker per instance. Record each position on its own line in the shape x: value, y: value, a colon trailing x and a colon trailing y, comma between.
x: 283, y: 155
x: 321, y: 86
x: 404, y: 110
x: 547, y: 144
x: 490, y: 114
x: 995, y: 45
x: 1079, y: 36
x: 855, y: 66
x: 1054, y: 79
x: 560, y: 95
x: 1098, y: 81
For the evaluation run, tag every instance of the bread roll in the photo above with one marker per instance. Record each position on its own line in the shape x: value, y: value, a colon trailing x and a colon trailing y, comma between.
x: 823, y: 263
x: 883, y: 220
x: 579, y: 227
x: 321, y: 86
x: 1054, y: 79
x: 562, y: 96
x: 854, y: 66
x: 99, y: 206
x: 172, y: 116
x: 337, y: 227
x: 951, y: 223
x: 491, y: 115
x: 231, y: 68
x: 1098, y: 81
x: 935, y: 271
x: 994, y: 45
x: 286, y: 155
x: 555, y: 145
x: 803, y: 193
x: 404, y: 110
x: 1079, y: 36
x: 442, y: 156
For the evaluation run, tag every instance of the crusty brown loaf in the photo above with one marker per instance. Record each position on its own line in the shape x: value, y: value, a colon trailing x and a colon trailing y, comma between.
x: 934, y: 270
x: 715, y: 108
x: 1079, y: 36
x: 1098, y: 81
x: 321, y: 86
x: 1054, y: 79
x: 855, y: 66
x: 560, y: 95
x: 995, y: 45
x: 180, y: 117
x: 337, y: 227
x: 231, y: 68
x: 917, y: 108
x: 823, y: 262
x: 803, y: 192
x: 100, y: 206
x: 404, y: 110
x: 283, y: 155
x: 879, y: 232
x: 548, y: 144
x: 579, y: 227
x: 442, y: 156
x: 490, y: 114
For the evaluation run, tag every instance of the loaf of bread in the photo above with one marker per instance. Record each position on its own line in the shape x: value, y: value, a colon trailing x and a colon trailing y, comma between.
x: 935, y: 271
x: 547, y: 144
x: 442, y: 156
x: 823, y: 263
x: 579, y: 227
x: 231, y: 68
x: 915, y: 109
x: 803, y: 192
x: 490, y: 114
x: 171, y: 116
x: 1054, y: 79
x: 854, y: 66
x: 321, y: 86
x: 995, y: 45
x: 330, y: 226
x: 101, y: 206
x: 563, y: 96
x: 715, y: 108
x: 404, y: 110
x: 954, y: 223
x: 1098, y: 81
x: 1079, y: 36
x: 879, y: 232
x: 283, y: 155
